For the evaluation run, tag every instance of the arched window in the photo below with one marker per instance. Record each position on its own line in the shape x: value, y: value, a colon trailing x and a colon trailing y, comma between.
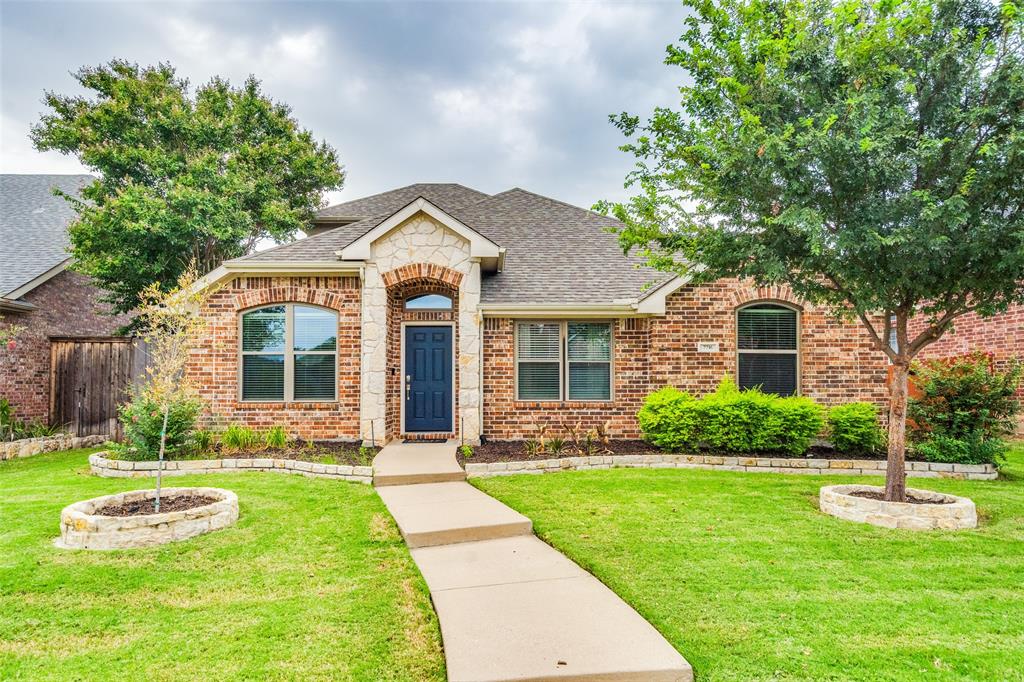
x: 288, y: 353
x: 767, y: 338
x: 428, y: 302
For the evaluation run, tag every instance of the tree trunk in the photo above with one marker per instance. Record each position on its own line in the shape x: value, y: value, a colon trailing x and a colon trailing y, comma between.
x: 160, y: 459
x: 896, y: 469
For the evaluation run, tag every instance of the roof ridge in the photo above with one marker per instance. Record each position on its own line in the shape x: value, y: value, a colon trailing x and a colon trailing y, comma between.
x: 561, y: 203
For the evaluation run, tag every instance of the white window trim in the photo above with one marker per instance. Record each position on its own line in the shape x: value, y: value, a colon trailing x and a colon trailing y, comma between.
x: 796, y: 351
x: 563, y: 361
x: 289, y: 354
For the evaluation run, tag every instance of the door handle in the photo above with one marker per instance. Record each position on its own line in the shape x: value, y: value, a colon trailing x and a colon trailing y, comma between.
x: 408, y: 386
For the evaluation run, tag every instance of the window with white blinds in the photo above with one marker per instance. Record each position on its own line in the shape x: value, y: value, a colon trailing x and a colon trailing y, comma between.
x: 289, y: 352
x: 766, y: 341
x: 563, y: 360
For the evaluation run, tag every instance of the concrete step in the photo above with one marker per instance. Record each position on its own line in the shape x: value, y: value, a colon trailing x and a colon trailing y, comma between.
x: 411, y: 463
x: 430, y: 514
x: 516, y: 609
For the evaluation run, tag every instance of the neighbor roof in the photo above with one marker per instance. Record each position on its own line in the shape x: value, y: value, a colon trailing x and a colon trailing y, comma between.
x: 33, y: 226
x: 555, y: 253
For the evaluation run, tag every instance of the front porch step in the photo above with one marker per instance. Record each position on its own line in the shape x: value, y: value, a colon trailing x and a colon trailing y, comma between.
x: 411, y: 463
x: 432, y: 514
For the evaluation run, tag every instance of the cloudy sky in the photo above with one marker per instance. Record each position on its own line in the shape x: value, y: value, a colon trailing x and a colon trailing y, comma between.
x: 492, y: 95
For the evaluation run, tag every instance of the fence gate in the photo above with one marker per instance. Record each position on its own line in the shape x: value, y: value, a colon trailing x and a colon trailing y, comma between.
x: 89, y: 378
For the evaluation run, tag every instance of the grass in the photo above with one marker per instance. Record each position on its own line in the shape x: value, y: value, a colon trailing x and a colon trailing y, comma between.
x: 750, y: 581
x: 313, y: 582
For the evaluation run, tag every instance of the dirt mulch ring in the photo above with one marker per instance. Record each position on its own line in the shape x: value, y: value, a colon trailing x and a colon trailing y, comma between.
x: 878, y: 495
x: 515, y: 451
x: 148, y: 506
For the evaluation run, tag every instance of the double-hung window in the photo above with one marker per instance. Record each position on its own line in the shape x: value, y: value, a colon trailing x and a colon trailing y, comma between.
x: 289, y: 353
x: 563, y: 361
x: 767, y: 337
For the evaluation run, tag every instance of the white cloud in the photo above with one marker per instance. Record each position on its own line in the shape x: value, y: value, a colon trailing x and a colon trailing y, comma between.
x: 501, y: 106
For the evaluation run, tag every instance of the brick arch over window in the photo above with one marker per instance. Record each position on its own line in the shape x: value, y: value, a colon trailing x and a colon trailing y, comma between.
x: 422, y: 273
x: 748, y: 294
x: 310, y: 293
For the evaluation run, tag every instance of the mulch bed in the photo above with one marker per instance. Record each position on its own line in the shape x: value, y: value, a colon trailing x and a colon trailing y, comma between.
x: 148, y: 506
x: 322, y: 451
x: 515, y: 451
x: 878, y: 495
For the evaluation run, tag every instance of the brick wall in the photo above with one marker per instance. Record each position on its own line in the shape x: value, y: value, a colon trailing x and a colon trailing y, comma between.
x: 214, y: 364
x: 838, y: 363
x: 67, y: 305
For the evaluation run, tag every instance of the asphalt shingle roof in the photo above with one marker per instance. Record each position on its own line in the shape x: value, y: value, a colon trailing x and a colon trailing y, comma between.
x: 446, y: 195
x: 33, y: 225
x: 554, y: 252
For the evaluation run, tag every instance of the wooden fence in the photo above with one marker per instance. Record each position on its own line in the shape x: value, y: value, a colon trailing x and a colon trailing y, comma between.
x: 89, y: 378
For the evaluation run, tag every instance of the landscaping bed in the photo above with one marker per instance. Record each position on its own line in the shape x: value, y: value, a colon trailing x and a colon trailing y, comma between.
x: 320, y: 451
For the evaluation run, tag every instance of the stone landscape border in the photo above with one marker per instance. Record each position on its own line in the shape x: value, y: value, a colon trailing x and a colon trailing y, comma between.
x: 948, y: 513
x: 775, y: 465
x: 119, y: 468
x: 82, y: 528
x: 26, y: 447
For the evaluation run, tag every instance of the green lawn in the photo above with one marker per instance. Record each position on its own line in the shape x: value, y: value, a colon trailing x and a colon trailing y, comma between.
x: 750, y: 581
x: 313, y: 583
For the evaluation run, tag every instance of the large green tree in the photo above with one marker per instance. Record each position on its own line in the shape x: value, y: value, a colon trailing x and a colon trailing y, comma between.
x: 182, y: 178
x: 868, y: 154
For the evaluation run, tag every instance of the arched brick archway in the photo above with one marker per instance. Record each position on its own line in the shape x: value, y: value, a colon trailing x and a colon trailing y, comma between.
x: 402, y: 283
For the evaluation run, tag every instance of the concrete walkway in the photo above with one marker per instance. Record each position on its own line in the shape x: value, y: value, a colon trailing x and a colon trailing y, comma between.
x: 510, y: 606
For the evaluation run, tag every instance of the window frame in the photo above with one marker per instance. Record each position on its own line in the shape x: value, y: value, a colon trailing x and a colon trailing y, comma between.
x: 449, y: 309
x: 289, y: 354
x: 797, y: 350
x: 563, y: 361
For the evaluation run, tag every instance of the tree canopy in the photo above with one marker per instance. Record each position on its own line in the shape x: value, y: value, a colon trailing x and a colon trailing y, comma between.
x: 869, y: 154
x: 182, y: 178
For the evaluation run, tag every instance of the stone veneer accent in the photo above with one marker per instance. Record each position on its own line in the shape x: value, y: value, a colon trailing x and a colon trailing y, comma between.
x: 82, y: 528
x: 774, y: 465
x: 66, y: 305
x: 953, y: 513
x: 26, y: 447
x: 117, y: 468
x: 424, y: 252
x: 214, y: 365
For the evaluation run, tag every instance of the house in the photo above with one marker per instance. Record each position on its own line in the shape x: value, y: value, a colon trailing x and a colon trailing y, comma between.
x: 37, y: 290
x: 437, y: 310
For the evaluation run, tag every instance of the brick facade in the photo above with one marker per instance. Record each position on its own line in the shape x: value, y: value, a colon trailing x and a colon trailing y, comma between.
x: 214, y: 366
x: 837, y: 361
x: 66, y: 305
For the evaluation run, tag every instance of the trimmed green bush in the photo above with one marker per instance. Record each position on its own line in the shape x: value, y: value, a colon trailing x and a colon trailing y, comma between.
x: 973, y: 449
x: 730, y: 420
x: 854, y: 429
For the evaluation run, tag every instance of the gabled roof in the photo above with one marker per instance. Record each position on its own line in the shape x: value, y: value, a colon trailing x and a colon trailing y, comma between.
x: 33, y: 228
x: 554, y: 252
x: 447, y: 195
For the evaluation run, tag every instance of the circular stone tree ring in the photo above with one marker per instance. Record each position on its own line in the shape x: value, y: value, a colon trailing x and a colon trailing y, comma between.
x: 932, y: 510
x: 82, y: 528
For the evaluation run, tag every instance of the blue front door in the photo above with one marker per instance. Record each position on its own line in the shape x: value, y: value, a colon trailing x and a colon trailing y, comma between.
x: 428, y: 379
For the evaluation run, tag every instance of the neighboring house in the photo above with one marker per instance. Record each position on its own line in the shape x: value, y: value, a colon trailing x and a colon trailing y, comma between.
x: 37, y: 291
x: 439, y: 310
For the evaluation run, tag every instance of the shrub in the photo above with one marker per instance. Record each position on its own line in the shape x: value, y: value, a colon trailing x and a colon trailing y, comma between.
x: 276, y: 437
x: 237, y: 437
x: 853, y: 428
x: 974, y: 449
x: 202, y: 440
x: 730, y: 419
x: 965, y: 407
x: 143, y: 420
